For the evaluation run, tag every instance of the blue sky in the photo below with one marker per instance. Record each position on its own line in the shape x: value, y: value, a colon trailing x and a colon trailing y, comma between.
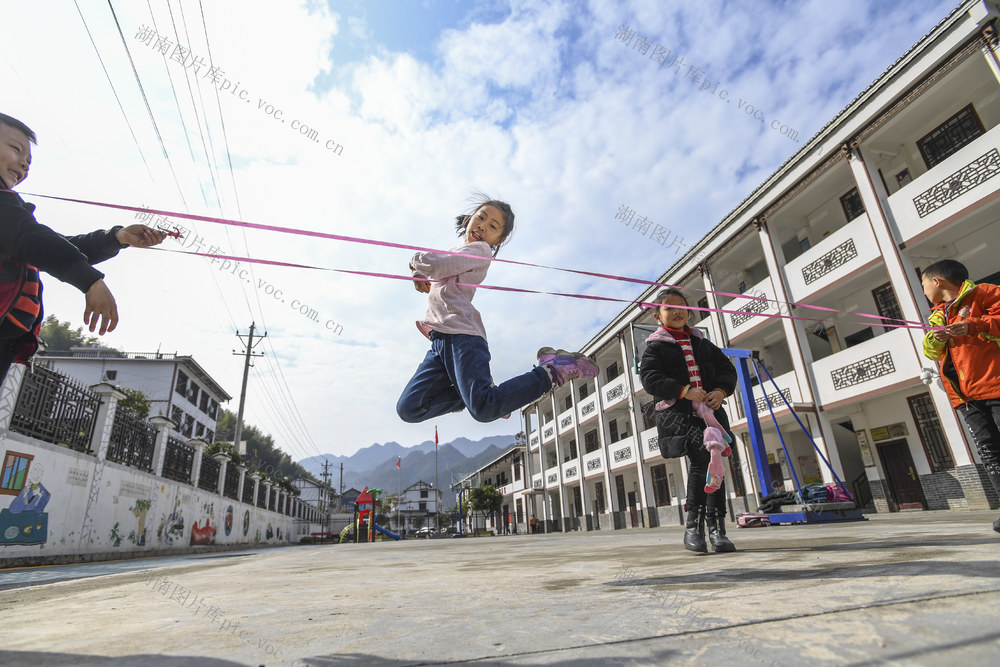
x: 537, y: 102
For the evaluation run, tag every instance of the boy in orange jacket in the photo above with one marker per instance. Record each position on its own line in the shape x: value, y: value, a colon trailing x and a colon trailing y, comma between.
x: 968, y: 352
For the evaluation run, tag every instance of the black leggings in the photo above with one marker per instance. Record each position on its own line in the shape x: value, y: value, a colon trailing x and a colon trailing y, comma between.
x: 982, y: 418
x: 715, y: 502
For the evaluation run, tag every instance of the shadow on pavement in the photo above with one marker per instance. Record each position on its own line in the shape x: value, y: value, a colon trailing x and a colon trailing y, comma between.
x: 656, y: 658
x: 975, y: 568
x: 83, y: 660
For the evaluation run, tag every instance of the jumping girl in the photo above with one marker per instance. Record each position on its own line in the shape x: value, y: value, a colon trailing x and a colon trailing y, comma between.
x: 455, y: 374
x: 677, y: 366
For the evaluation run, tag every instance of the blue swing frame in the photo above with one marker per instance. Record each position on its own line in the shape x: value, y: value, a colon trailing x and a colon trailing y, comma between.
x: 740, y: 358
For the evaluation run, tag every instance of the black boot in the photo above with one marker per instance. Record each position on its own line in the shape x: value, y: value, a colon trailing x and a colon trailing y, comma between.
x: 717, y: 532
x: 694, y: 536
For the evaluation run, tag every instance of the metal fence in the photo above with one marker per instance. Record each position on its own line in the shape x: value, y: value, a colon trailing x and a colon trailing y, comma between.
x: 56, y: 409
x: 132, y: 441
x: 209, y: 478
x: 232, y: 485
x: 248, y: 491
x: 178, y: 460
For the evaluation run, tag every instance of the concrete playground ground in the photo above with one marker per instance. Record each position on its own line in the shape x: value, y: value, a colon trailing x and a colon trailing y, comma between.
x: 912, y: 588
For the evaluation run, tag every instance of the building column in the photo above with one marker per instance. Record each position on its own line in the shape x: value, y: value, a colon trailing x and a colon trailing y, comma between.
x: 799, y: 351
x: 267, y: 496
x: 199, y: 453
x: 9, y: 392
x: 105, y: 418
x: 732, y: 403
x: 646, y: 514
x: 163, y: 426
x: 243, y: 478
x: 255, y: 477
x: 223, y: 460
x: 99, y: 440
x: 586, y: 506
x: 563, y: 519
x: 909, y: 294
x: 602, y: 439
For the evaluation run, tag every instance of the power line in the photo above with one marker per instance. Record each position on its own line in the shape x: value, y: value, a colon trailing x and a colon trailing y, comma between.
x: 113, y: 91
x: 149, y: 110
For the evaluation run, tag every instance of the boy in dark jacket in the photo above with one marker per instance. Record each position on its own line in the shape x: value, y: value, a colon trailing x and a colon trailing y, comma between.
x: 678, y: 367
x: 968, y: 353
x: 26, y: 247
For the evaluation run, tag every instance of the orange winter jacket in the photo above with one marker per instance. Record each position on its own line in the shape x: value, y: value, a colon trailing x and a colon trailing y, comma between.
x: 969, y: 365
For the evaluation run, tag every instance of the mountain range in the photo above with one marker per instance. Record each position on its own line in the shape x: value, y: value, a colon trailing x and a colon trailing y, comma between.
x: 375, y: 466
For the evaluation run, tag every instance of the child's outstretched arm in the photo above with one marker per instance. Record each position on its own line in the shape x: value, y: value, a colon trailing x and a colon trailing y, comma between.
x: 437, y: 266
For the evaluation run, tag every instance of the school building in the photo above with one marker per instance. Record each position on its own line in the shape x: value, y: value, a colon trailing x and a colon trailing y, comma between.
x: 902, y: 177
x: 176, y: 385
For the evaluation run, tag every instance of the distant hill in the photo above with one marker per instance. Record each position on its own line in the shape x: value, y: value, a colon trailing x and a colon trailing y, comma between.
x: 375, y: 466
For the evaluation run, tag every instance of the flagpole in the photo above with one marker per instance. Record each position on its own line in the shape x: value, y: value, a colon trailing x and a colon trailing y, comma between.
x: 399, y: 491
x: 437, y: 491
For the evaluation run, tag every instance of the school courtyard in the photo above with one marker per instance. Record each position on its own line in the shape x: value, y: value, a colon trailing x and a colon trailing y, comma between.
x: 906, y: 588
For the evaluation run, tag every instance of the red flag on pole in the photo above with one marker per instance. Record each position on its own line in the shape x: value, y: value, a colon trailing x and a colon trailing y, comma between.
x: 399, y: 462
x: 435, y: 436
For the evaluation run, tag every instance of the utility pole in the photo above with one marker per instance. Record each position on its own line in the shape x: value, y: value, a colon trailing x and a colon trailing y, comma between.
x: 326, y: 494
x: 243, y: 390
x: 341, y: 500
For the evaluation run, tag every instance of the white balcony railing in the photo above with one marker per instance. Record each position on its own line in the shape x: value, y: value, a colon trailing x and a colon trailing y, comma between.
x: 647, y: 443
x: 832, y: 259
x: 565, y: 420
x: 593, y: 464
x: 548, y: 431
x: 874, y: 364
x: 955, y: 184
x: 622, y: 453
x: 538, y: 481
x: 571, y: 469
x: 614, y: 392
x: 534, y: 441
x: 552, y: 477
x: 758, y: 299
x: 588, y: 408
x: 788, y: 385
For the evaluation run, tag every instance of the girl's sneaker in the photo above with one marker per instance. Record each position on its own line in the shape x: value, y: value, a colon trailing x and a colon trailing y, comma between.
x: 547, y: 354
x: 566, y: 367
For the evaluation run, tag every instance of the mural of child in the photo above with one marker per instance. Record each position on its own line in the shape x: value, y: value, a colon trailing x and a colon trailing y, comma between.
x: 25, y: 521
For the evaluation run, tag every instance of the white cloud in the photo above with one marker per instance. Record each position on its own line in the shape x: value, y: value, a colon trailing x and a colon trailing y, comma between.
x: 543, y: 108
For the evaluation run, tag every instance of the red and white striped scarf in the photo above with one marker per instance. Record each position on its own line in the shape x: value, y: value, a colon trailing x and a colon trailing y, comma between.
x: 683, y: 339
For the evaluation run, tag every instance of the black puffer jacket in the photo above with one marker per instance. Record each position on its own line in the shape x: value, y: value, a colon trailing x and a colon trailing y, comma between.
x: 663, y: 372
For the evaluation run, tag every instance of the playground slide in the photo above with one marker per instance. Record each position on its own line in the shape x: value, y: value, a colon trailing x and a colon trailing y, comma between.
x: 385, y: 532
x: 344, y: 532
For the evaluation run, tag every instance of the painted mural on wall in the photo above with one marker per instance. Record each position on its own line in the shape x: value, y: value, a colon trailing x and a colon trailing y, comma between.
x: 139, y: 510
x: 171, y: 530
x: 24, y: 521
x: 99, y: 508
x: 205, y: 532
